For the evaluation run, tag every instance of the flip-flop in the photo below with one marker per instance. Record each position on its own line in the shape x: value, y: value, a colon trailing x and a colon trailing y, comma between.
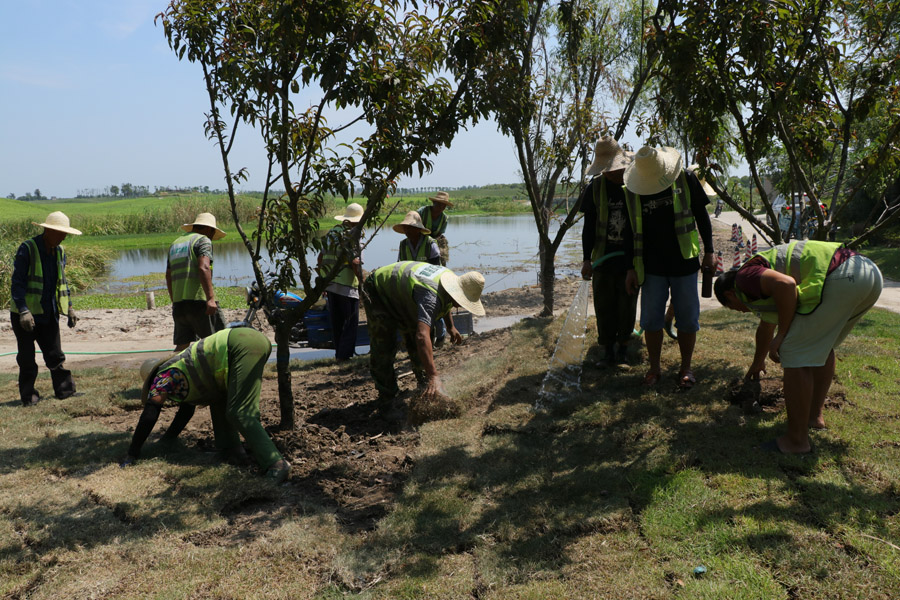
x: 686, y: 379
x: 772, y: 446
x: 651, y: 378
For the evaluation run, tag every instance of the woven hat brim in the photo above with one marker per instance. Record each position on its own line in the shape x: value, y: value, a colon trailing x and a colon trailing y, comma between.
x: 218, y: 235
x: 450, y: 281
x: 399, y: 228
x: 62, y: 228
x: 442, y: 201
x: 346, y: 218
x: 644, y: 184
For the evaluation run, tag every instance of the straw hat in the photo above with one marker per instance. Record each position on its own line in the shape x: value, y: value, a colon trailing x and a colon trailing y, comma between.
x: 608, y: 156
x: 707, y: 189
x: 653, y: 170
x: 352, y: 213
x: 58, y: 221
x: 413, y: 219
x: 465, y: 290
x: 443, y: 198
x: 149, y: 369
x: 205, y: 220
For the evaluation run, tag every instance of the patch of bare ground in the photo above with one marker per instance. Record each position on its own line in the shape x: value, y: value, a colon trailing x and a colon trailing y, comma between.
x: 346, y: 456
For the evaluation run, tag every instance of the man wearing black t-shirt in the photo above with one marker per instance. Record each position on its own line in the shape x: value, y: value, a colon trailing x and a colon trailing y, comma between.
x: 606, y: 242
x: 667, y: 210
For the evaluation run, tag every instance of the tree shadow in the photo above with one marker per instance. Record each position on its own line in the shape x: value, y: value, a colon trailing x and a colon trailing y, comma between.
x: 595, y: 463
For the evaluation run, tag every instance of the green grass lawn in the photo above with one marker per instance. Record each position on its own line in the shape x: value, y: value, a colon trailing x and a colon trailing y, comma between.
x: 618, y: 492
x: 887, y: 259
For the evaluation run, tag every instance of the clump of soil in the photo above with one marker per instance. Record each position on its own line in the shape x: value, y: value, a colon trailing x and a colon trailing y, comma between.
x: 423, y: 409
x: 755, y: 395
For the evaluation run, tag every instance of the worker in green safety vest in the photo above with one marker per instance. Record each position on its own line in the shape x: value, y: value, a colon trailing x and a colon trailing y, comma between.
x: 418, y: 244
x: 407, y: 298
x: 606, y: 245
x: 342, y: 293
x: 435, y: 220
x: 667, y: 209
x: 39, y: 294
x: 808, y: 296
x: 223, y: 371
x: 189, y: 268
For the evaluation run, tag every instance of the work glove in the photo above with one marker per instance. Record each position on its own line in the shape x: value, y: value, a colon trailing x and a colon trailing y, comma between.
x: 26, y: 320
x: 72, y: 318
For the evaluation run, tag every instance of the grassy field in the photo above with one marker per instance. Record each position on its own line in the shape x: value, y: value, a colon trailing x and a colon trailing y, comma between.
x: 619, y: 492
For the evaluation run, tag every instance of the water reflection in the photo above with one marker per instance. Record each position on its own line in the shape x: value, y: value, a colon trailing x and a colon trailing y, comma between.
x: 504, y: 249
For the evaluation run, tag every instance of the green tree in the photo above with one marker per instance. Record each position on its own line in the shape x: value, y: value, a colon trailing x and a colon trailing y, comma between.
x: 564, y: 65
x: 401, y: 78
x: 114, y: 190
x: 789, y: 77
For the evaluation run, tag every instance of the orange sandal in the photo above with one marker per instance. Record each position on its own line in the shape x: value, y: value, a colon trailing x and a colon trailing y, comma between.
x: 651, y: 378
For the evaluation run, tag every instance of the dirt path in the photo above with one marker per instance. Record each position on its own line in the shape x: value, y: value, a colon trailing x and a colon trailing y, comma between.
x: 132, y: 335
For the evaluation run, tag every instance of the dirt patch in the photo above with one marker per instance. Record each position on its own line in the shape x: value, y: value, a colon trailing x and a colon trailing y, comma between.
x: 755, y: 396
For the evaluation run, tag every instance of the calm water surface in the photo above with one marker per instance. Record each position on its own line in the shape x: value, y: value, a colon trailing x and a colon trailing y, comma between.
x: 504, y: 249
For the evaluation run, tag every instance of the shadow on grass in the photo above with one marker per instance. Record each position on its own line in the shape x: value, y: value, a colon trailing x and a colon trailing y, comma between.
x: 595, y: 463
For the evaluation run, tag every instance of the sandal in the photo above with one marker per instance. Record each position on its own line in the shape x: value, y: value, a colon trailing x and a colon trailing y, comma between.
x: 651, y: 378
x: 686, y: 379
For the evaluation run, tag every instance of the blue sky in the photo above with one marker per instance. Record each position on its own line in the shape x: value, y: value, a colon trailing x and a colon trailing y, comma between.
x: 91, y: 96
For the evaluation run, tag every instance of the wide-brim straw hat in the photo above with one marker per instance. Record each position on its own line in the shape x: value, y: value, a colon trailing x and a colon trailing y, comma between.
x: 443, y: 198
x: 465, y: 290
x: 149, y: 369
x: 707, y: 189
x: 653, y: 170
x: 205, y: 220
x: 413, y: 219
x: 58, y: 221
x: 608, y: 156
x: 352, y: 213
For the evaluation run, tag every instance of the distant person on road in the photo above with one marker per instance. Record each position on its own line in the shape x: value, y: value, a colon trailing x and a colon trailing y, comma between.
x: 607, y: 249
x: 342, y: 294
x: 39, y: 295
x: 434, y: 219
x: 223, y: 371
x: 189, y: 269
x: 808, y: 296
x: 407, y: 298
x: 667, y: 209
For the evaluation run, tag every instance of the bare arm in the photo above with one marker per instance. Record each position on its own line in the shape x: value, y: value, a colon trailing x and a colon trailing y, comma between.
x: 783, y: 289
x: 764, y: 334
x: 206, y: 283
x: 426, y: 356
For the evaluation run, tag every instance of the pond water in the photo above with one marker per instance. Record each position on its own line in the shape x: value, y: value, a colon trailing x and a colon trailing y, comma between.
x: 503, y: 248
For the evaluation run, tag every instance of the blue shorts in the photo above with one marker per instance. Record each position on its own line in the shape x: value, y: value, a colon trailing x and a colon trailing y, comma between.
x: 685, y: 298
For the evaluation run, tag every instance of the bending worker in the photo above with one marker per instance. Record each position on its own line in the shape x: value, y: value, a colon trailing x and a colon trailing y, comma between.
x: 189, y: 279
x: 812, y: 293
x: 39, y: 295
x: 407, y: 297
x: 223, y: 371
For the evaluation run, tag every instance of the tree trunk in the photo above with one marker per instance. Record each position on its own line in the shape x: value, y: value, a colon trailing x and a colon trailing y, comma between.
x: 283, y: 363
x: 547, y: 276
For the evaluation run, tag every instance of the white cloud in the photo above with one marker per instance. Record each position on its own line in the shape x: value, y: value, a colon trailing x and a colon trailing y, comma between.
x: 34, y: 77
x: 123, y: 18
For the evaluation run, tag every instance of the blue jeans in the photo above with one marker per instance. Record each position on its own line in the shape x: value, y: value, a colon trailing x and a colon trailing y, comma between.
x: 686, y: 300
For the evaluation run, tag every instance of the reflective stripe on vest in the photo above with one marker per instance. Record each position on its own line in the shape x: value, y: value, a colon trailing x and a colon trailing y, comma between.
x: 331, y: 253
x: 183, y: 269
x: 806, y: 262
x: 438, y: 227
x: 685, y: 225
x: 205, y: 364
x: 395, y: 284
x: 34, y: 283
x: 602, y: 205
x: 420, y: 253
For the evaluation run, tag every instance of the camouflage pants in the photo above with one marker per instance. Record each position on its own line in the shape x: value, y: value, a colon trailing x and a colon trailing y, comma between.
x: 384, y: 343
x: 443, y: 248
